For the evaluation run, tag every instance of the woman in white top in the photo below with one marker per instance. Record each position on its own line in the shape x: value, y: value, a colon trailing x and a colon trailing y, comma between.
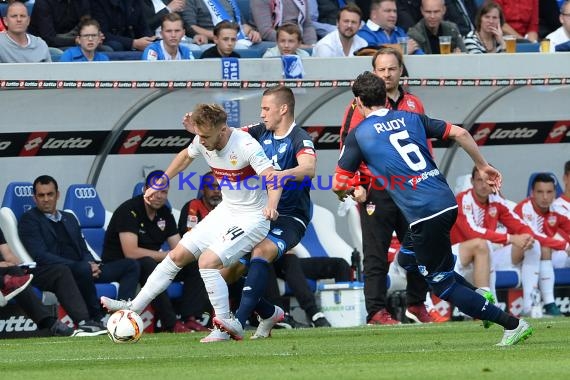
x: 488, y: 35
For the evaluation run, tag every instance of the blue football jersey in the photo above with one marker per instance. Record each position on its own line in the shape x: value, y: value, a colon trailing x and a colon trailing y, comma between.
x: 394, y: 146
x: 283, y: 152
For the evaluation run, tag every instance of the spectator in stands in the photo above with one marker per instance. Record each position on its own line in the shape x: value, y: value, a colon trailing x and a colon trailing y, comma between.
x: 53, y: 237
x: 289, y: 42
x: 57, y: 279
x: 483, y: 247
x: 562, y: 204
x: 88, y: 40
x: 137, y: 231
x: 155, y: 10
x: 323, y: 15
x: 57, y: 22
x: 561, y: 35
x: 123, y: 24
x: 381, y: 28
x: 379, y: 215
x: 548, y: 15
x: 428, y: 30
x: 409, y: 13
x: 14, y: 284
x: 269, y: 14
x: 16, y: 45
x: 169, y: 48
x: 488, y: 34
x: 521, y: 18
x: 552, y: 230
x: 344, y: 41
x: 199, y: 21
x: 462, y: 13
x: 225, y: 39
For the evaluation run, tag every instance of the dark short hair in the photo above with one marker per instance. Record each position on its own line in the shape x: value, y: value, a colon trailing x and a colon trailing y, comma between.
x: 284, y: 95
x: 86, y: 21
x: 289, y: 28
x: 387, y: 50
x: 350, y: 7
x: 543, y: 177
x: 487, y: 7
x: 172, y: 17
x: 567, y: 167
x: 45, y: 180
x: 151, y: 178
x: 225, y: 24
x: 370, y: 89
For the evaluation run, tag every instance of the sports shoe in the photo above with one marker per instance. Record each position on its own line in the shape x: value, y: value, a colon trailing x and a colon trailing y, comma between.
x: 216, y: 335
x: 112, y: 305
x: 288, y: 322
x: 13, y: 285
x: 319, y: 320
x: 193, y: 324
x: 266, y: 325
x: 512, y: 337
x: 60, y: 329
x: 491, y: 299
x: 90, y: 328
x: 180, y: 328
x: 552, y: 310
x: 383, y: 317
x: 230, y: 325
x: 418, y: 314
x: 437, y: 317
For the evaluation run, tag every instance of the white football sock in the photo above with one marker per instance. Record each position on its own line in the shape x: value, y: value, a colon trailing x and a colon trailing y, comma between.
x: 529, y: 272
x: 546, y: 281
x: 217, y: 292
x: 160, y: 278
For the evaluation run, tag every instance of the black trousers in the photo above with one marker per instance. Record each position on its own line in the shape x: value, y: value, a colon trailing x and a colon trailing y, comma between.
x: 379, y: 218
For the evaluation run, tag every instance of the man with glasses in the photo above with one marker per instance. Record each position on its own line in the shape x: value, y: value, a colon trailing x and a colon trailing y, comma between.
x: 561, y: 36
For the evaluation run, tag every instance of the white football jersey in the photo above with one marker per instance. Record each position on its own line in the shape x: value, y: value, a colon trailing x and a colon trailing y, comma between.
x: 235, y: 167
x: 562, y: 206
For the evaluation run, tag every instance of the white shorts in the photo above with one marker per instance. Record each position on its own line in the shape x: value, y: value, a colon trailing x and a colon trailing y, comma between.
x: 228, y: 234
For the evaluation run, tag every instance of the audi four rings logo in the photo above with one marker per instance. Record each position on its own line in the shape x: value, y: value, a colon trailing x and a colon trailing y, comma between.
x: 85, y: 193
x: 23, y: 191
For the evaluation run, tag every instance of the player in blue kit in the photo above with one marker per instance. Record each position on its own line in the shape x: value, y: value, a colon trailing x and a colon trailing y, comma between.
x: 291, y: 150
x: 394, y: 146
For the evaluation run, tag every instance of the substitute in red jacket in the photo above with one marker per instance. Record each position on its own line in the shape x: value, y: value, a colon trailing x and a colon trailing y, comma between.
x: 551, y: 229
x: 483, y: 246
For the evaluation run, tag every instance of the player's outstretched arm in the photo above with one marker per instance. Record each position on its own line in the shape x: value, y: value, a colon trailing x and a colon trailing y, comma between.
x: 464, y: 139
x: 178, y: 164
x: 273, y: 194
x: 341, y: 186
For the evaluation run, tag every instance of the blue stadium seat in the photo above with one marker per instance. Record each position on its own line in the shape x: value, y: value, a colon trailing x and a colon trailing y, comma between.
x: 84, y: 202
x: 557, y: 186
x: 507, y: 279
x: 562, y: 276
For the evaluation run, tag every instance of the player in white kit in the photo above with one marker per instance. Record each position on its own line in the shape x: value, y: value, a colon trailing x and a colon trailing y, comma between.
x: 233, y: 228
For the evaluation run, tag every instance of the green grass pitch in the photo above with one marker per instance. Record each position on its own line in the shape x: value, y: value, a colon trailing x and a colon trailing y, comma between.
x: 454, y: 350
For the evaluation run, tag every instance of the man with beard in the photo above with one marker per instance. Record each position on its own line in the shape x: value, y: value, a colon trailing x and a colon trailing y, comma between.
x: 343, y: 42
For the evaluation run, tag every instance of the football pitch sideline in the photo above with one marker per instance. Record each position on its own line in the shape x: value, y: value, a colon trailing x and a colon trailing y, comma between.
x: 453, y: 350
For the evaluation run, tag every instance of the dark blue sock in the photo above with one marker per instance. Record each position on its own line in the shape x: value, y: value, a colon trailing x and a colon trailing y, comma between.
x: 265, y: 309
x: 253, y: 288
x: 474, y: 304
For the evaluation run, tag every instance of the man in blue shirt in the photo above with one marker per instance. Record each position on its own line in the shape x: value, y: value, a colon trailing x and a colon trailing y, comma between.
x: 169, y: 48
x: 88, y: 41
x: 381, y: 28
x: 394, y: 146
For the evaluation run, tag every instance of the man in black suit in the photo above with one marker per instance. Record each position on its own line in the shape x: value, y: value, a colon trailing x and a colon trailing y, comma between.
x: 54, y: 237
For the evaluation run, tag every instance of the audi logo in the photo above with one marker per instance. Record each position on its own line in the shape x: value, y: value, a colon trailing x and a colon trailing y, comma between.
x: 23, y: 191
x: 85, y: 193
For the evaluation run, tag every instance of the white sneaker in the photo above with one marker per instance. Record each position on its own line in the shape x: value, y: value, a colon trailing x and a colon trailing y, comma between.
x: 112, y: 305
x: 216, y: 335
x: 265, y: 325
x: 230, y: 325
x: 512, y: 337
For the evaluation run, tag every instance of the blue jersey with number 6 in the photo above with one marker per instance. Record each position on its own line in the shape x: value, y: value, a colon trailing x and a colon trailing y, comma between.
x: 394, y: 146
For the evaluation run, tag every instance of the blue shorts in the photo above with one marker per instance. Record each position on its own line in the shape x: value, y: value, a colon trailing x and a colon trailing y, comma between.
x: 286, y: 232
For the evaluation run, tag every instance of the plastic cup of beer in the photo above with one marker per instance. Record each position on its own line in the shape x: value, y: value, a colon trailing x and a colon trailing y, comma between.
x: 444, y: 44
x: 510, y: 43
x: 545, y: 46
x: 403, y: 42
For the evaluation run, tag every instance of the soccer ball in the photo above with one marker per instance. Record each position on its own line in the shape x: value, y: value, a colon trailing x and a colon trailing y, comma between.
x: 125, y: 326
